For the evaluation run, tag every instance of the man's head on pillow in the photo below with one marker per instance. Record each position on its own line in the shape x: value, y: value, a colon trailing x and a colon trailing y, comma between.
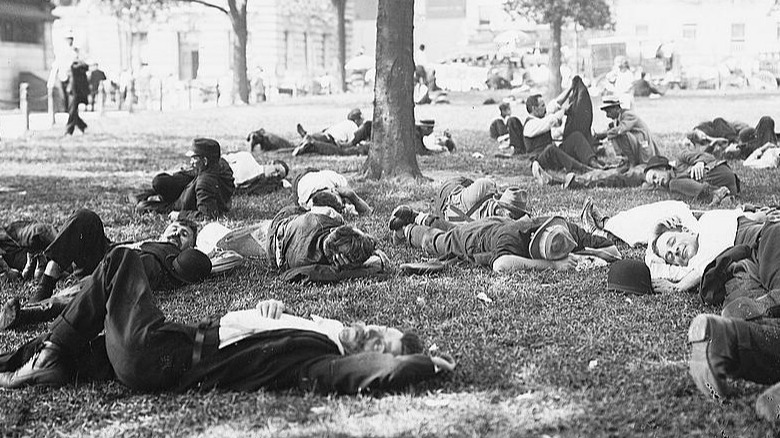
x: 674, y: 243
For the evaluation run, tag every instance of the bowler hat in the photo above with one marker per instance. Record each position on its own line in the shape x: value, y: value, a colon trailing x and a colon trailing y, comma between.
x: 552, y: 240
x: 609, y: 102
x: 515, y: 200
x: 190, y: 266
x: 630, y: 276
x: 204, y: 147
x: 657, y: 161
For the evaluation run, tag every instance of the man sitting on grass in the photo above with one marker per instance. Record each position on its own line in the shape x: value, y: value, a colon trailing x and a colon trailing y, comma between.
x: 326, y: 188
x: 246, y: 351
x: 204, y: 191
x: 507, y: 130
x: 169, y: 262
x: 502, y: 244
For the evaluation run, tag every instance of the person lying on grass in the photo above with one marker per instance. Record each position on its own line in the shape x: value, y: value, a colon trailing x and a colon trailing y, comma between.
x: 348, y: 137
x: 742, y: 346
x: 461, y: 199
x: 502, y: 244
x: 169, y: 262
x: 314, y: 245
x: 21, y: 243
x: 203, y: 191
x: 683, y: 250
x: 326, y: 188
x: 246, y: 350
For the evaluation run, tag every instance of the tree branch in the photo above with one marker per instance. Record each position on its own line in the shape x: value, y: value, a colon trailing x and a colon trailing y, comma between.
x: 210, y: 5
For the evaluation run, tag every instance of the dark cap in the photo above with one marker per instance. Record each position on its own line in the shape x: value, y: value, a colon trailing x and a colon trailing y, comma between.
x: 657, y: 161
x: 355, y: 114
x: 191, y: 266
x: 630, y: 276
x: 188, y: 266
x: 204, y: 147
x: 430, y: 123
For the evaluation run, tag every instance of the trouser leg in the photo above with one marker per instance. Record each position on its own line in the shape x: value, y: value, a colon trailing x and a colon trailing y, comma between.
x: 689, y: 187
x: 425, y: 238
x: 616, y: 178
x: 628, y: 145
x: 553, y: 158
x: 515, y: 128
x: 723, y: 176
x: 324, y: 147
x: 82, y: 241
x: 768, y: 256
x: 146, y: 352
x: 765, y: 131
x: 362, y: 134
x: 578, y: 147
x: 188, y: 199
x: 73, y: 116
x: 169, y: 187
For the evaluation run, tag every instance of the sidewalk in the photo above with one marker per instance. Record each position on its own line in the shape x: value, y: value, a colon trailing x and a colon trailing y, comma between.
x: 12, y: 122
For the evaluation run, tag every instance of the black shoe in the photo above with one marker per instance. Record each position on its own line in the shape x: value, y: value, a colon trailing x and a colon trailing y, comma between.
x: 44, y: 289
x: 44, y: 368
x: 9, y: 313
x: 301, y: 131
x: 402, y: 216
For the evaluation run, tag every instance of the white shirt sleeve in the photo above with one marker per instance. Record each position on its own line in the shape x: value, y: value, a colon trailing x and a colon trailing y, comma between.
x: 535, y: 126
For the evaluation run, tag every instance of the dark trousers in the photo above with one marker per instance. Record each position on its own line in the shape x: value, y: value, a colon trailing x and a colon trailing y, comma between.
x: 751, y: 349
x: 573, y: 154
x: 621, y: 177
x: 753, y: 138
x: 331, y: 148
x: 145, y: 351
x: 768, y: 256
x: 720, y: 176
x: 177, y: 191
x: 81, y: 242
x: 515, y: 129
x: 74, y: 120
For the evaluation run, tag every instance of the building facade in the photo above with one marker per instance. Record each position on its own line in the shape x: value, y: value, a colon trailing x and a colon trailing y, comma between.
x: 291, y: 43
x: 25, y: 48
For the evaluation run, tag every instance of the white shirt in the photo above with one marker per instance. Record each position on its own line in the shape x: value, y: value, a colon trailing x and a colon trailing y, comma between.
x: 535, y: 126
x: 235, y: 326
x: 316, y: 181
x: 716, y: 231
x: 343, y: 132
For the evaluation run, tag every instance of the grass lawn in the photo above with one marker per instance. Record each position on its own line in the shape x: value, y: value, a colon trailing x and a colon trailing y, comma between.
x: 554, y: 354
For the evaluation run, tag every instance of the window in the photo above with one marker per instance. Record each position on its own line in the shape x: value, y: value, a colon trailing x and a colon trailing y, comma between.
x: 484, y: 15
x: 287, y: 50
x: 324, y: 51
x: 689, y: 31
x: 738, y: 32
x: 778, y: 31
x: 19, y: 30
x: 641, y: 30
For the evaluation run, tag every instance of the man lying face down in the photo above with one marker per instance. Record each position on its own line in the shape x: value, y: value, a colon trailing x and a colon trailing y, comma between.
x: 246, y: 350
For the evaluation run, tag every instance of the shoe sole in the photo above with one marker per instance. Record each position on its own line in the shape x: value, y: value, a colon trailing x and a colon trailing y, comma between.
x: 9, y: 314
x: 768, y: 405
x: 393, y: 217
x: 698, y: 366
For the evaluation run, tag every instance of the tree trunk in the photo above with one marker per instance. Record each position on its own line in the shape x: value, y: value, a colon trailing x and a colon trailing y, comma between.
x: 238, y: 21
x: 554, y: 87
x: 392, y: 141
x: 341, y: 7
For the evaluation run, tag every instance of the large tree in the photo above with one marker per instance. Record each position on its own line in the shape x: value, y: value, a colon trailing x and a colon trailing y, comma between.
x: 392, y: 151
x: 235, y: 12
x: 590, y: 14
